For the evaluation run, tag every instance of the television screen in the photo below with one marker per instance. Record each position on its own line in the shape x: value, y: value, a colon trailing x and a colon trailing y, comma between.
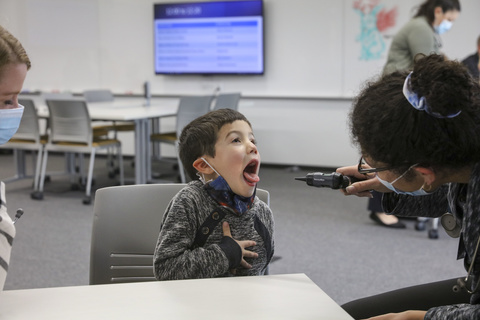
x: 218, y: 37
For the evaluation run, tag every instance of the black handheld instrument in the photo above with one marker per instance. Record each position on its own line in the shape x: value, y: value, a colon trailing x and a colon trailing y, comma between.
x: 332, y: 180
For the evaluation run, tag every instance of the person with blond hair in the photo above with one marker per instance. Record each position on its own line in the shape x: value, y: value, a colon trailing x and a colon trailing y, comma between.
x: 14, y: 64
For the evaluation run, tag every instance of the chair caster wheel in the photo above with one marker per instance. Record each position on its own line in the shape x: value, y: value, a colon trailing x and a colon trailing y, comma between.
x: 87, y: 200
x: 433, y: 234
x: 36, y: 195
x: 420, y: 226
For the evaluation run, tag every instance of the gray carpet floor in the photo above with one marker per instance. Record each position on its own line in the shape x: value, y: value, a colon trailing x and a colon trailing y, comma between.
x: 319, y: 232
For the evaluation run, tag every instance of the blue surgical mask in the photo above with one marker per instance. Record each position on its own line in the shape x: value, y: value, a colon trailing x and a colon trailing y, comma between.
x: 9, y: 122
x: 443, y: 27
x: 389, y: 185
x: 221, y: 192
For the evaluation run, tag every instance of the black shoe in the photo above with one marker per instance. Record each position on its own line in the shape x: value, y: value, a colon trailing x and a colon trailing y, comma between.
x: 396, y: 225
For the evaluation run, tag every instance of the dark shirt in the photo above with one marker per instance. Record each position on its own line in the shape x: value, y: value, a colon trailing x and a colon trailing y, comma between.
x: 471, y: 62
x: 451, y: 196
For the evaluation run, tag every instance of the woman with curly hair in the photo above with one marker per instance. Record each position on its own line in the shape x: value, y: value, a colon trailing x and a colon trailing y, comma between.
x: 419, y: 136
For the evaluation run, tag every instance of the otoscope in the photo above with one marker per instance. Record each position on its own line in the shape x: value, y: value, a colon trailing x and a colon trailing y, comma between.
x: 332, y: 180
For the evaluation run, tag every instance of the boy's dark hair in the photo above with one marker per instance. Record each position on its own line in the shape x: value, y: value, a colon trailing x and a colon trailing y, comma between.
x: 390, y: 130
x: 199, y: 137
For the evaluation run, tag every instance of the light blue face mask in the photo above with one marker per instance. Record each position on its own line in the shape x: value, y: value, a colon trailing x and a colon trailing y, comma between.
x: 389, y: 185
x: 443, y: 27
x: 9, y: 122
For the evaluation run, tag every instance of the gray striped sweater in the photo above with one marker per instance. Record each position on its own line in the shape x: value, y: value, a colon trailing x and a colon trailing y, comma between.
x: 176, y: 258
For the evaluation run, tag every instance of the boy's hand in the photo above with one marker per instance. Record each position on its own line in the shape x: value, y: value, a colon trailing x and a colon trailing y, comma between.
x: 243, y: 244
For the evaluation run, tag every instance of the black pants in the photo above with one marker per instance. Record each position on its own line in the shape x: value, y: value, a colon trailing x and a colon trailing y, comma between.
x: 375, y: 203
x: 421, y: 297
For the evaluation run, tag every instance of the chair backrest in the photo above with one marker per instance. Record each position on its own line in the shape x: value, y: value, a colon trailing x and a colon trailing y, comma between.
x: 227, y: 101
x: 57, y: 95
x: 126, y: 225
x: 29, y: 127
x: 69, y: 121
x: 100, y: 95
x: 190, y: 108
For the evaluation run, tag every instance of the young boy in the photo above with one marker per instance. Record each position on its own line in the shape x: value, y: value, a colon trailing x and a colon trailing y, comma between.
x: 215, y: 226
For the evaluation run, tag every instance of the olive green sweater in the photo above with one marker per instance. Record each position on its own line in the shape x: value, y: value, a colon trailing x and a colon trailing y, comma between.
x: 417, y: 36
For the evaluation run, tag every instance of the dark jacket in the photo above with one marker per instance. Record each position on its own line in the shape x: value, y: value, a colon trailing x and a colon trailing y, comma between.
x: 463, y: 200
x: 471, y: 62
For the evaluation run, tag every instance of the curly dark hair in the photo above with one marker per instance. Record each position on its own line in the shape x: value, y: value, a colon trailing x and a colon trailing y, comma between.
x: 390, y: 130
x: 199, y: 137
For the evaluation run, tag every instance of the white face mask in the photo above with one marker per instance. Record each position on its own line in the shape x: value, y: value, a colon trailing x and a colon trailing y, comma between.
x: 443, y: 27
x: 9, y: 122
x: 389, y: 185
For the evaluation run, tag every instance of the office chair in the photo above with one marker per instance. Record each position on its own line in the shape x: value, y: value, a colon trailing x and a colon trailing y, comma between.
x: 27, y: 137
x: 227, y: 101
x: 104, y: 95
x: 99, y: 95
x: 126, y: 225
x: 189, y: 108
x: 56, y: 95
x: 102, y: 130
x: 71, y: 132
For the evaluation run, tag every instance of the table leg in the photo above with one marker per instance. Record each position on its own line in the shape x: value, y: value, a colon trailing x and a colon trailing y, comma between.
x: 20, y: 171
x: 141, y: 150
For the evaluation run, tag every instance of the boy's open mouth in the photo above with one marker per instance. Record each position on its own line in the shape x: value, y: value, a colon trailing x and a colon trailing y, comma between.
x: 250, y: 172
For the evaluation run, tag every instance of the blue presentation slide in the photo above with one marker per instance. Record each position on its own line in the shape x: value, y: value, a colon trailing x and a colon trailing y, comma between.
x: 192, y: 39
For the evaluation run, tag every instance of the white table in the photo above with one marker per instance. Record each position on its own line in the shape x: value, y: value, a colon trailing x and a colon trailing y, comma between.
x: 134, y: 111
x: 292, y: 296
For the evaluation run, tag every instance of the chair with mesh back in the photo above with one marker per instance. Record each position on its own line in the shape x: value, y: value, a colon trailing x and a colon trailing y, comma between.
x: 71, y: 132
x: 227, y: 101
x: 27, y: 138
x: 126, y: 225
x: 189, y: 108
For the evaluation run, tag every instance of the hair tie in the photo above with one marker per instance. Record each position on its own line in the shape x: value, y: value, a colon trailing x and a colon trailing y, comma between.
x: 421, y: 103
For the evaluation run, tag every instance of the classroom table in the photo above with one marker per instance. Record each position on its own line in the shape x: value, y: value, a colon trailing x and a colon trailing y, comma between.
x: 124, y: 110
x: 289, y: 296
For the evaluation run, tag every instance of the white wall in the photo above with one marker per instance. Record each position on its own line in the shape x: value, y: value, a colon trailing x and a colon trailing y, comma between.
x: 298, y: 108
x: 310, y: 132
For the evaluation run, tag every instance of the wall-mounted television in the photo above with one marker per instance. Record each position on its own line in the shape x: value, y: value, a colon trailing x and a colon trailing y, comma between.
x: 215, y: 37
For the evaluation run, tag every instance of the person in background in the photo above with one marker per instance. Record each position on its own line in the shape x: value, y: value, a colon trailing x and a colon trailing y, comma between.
x: 419, y: 137
x: 216, y: 226
x: 472, y: 62
x: 14, y: 64
x: 421, y: 35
